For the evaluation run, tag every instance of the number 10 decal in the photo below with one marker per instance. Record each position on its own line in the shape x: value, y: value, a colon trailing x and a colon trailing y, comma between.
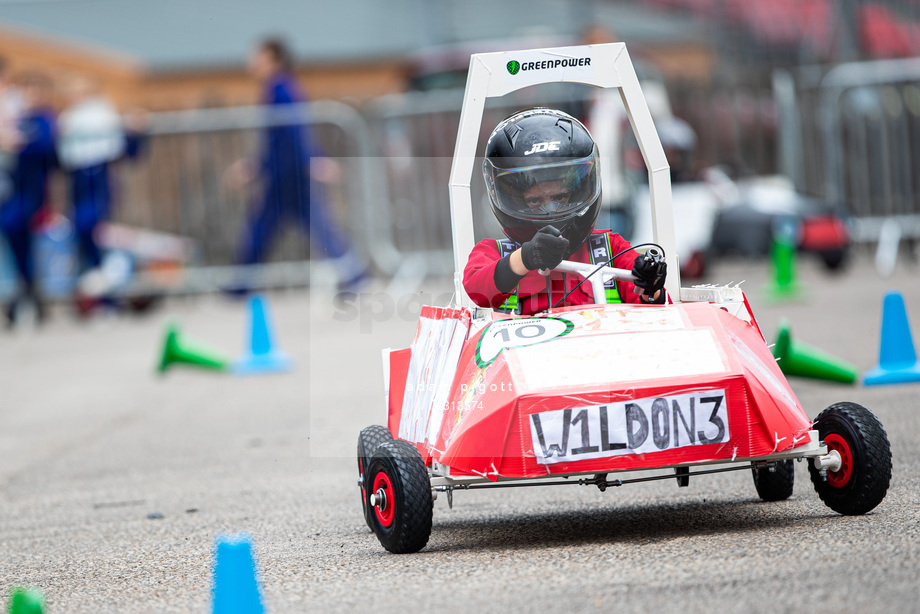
x: 518, y: 332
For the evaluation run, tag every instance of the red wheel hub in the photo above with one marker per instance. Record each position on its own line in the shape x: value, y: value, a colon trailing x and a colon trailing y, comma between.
x: 841, y: 477
x: 384, y: 504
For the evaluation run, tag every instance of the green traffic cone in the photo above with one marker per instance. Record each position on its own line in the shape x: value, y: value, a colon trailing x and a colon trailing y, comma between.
x: 805, y: 361
x: 26, y: 601
x: 182, y: 351
x: 784, y: 285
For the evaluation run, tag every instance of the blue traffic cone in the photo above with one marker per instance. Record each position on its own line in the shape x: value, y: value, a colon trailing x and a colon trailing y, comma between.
x: 897, y: 363
x: 262, y: 356
x: 236, y: 586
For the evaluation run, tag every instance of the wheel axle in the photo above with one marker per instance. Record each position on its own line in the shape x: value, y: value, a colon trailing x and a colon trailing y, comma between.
x: 600, y: 480
x: 379, y: 499
x: 829, y: 462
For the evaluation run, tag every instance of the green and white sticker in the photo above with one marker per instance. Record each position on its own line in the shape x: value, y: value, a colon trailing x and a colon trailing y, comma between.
x: 518, y: 332
x: 545, y: 65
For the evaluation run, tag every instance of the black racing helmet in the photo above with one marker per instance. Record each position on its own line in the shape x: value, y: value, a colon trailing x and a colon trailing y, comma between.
x: 541, y: 168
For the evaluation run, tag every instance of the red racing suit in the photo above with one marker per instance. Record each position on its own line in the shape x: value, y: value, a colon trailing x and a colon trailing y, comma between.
x: 479, y: 276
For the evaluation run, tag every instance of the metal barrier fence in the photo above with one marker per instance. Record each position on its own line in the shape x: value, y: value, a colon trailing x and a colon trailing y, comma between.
x: 851, y: 134
x: 389, y: 194
x: 179, y: 184
x: 387, y: 187
x: 388, y: 190
x: 384, y: 185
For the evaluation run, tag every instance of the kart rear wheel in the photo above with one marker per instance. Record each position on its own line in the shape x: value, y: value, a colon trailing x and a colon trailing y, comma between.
x: 398, y: 498
x: 834, y: 259
x: 862, y: 480
x: 368, y: 442
x: 775, y: 485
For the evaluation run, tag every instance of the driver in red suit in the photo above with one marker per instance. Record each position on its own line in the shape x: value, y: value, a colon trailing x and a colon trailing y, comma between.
x: 544, y: 188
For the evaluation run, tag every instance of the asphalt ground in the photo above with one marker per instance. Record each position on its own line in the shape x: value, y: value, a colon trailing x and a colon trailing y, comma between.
x: 114, y: 482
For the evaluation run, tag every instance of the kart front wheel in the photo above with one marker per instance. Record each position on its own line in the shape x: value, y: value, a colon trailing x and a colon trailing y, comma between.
x: 368, y: 442
x: 861, y: 481
x: 398, y: 497
x: 775, y: 484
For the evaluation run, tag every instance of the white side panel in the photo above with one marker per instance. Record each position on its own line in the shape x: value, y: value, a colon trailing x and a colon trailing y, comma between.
x: 436, y: 351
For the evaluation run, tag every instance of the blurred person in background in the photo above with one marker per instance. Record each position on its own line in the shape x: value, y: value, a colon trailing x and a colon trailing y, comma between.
x: 91, y: 136
x: 33, y: 146
x: 284, y: 168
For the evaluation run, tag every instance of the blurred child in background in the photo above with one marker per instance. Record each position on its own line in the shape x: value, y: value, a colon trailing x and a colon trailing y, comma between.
x: 91, y: 136
x: 32, y: 145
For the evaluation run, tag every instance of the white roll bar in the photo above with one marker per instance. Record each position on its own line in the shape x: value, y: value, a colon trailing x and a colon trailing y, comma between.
x: 604, y: 66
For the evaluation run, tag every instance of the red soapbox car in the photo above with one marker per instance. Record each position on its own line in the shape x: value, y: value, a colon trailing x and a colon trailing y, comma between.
x: 580, y: 394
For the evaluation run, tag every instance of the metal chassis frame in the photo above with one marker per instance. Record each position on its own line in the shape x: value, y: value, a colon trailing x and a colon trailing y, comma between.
x: 442, y: 482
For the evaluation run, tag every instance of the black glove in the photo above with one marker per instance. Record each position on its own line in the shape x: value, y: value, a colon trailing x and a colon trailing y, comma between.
x: 650, y: 273
x: 545, y: 251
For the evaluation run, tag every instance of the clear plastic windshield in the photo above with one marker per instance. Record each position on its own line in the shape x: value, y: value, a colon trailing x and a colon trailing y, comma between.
x: 547, y: 191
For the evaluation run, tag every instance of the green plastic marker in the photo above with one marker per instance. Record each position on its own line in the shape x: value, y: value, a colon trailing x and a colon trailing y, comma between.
x: 26, y: 601
x: 784, y: 285
x: 182, y: 351
x: 800, y: 359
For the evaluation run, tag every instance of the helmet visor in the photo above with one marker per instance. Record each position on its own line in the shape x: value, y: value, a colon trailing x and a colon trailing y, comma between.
x: 544, y: 192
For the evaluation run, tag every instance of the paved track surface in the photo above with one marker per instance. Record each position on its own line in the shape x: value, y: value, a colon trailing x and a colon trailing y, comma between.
x: 92, y: 443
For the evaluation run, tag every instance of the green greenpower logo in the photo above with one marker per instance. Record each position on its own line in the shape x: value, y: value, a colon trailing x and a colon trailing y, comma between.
x: 514, y: 67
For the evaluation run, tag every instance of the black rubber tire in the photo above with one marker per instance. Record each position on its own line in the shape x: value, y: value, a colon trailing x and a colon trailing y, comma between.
x: 368, y: 442
x: 871, y: 459
x: 683, y: 476
x: 834, y: 259
x: 411, y: 525
x: 775, y: 485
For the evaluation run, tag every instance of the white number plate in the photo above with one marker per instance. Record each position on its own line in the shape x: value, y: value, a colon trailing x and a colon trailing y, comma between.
x: 640, y: 426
